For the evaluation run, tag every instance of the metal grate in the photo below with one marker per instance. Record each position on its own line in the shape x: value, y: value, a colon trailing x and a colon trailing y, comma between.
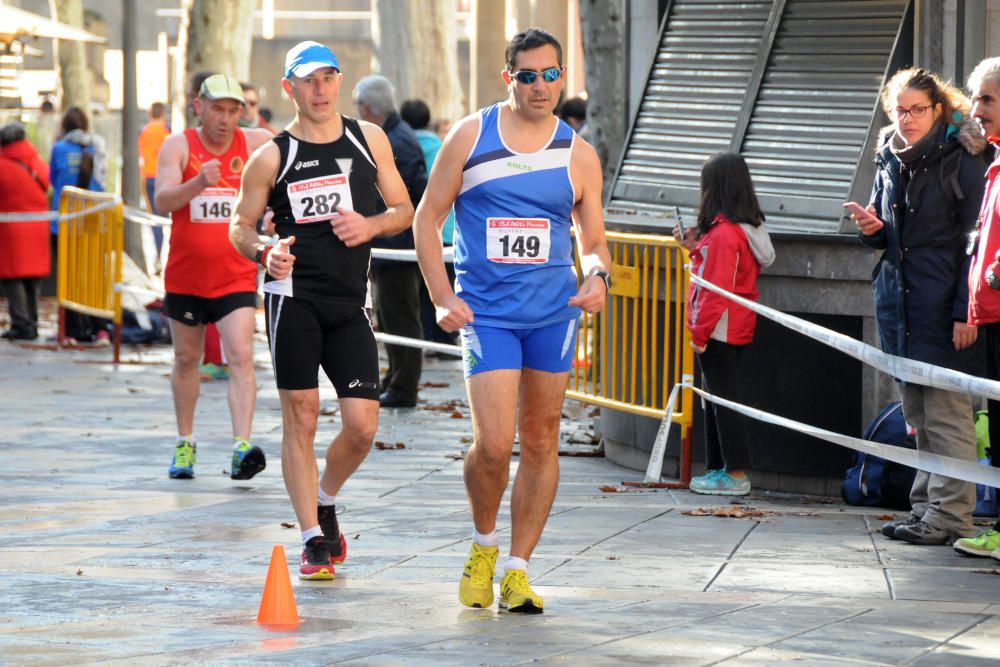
x: 806, y: 111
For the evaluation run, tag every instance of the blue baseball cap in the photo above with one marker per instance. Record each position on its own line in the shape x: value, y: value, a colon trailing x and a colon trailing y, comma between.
x: 306, y: 57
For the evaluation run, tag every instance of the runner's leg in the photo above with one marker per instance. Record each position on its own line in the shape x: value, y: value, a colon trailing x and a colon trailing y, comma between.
x: 359, y: 419
x: 299, y: 412
x: 493, y: 401
x: 236, y: 331
x: 184, y: 381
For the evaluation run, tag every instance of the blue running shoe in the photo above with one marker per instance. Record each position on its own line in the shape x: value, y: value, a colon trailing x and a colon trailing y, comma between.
x: 248, y: 460
x: 182, y: 467
x: 720, y: 483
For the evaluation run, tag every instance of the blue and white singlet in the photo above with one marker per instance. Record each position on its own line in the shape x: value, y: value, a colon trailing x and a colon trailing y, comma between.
x: 513, y: 250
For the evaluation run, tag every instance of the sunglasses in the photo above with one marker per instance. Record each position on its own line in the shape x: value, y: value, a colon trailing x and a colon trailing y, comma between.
x: 528, y: 77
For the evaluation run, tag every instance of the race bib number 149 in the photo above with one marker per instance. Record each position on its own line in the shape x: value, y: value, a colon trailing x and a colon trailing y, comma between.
x: 517, y: 240
x: 319, y: 198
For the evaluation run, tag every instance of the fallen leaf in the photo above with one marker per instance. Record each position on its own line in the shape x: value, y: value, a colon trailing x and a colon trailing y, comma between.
x: 465, y: 439
x: 614, y: 557
x: 287, y: 524
x: 609, y: 489
x: 167, y: 588
x: 729, y: 512
x: 456, y: 415
x: 993, y: 572
x: 356, y: 536
x: 389, y: 445
x: 435, y: 385
x: 886, y: 517
x: 79, y: 573
x: 455, y: 457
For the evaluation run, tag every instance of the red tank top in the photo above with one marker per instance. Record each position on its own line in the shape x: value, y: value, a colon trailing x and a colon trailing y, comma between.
x: 202, y: 261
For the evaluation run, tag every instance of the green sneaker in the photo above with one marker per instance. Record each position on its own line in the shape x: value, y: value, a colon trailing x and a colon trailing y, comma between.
x: 209, y: 372
x: 248, y: 460
x: 182, y: 467
x: 982, y: 545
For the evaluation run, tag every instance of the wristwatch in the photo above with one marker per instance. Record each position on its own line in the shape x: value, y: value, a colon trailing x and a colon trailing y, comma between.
x: 605, y: 276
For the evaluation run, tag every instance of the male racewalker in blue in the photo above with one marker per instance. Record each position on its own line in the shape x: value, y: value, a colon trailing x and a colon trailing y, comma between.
x: 322, y: 178
x: 519, y: 179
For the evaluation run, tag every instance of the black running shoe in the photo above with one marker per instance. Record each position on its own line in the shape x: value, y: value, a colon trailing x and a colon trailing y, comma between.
x: 315, y: 563
x: 248, y: 460
x: 335, y: 542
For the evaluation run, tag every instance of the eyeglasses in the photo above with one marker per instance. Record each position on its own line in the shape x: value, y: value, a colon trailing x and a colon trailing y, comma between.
x: 528, y: 77
x: 914, y: 112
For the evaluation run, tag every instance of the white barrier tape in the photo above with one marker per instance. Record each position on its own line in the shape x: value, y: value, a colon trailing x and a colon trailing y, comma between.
x: 968, y: 471
x: 908, y: 370
x: 47, y: 216
x: 655, y: 465
x: 447, y: 252
x: 402, y: 341
x: 140, y: 217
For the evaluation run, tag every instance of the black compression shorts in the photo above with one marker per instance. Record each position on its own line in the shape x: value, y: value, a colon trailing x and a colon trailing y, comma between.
x: 305, y: 335
x: 194, y: 310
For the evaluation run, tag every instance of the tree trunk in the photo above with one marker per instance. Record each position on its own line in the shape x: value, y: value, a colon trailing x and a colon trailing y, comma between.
x: 416, y: 49
x: 603, y: 29
x: 215, y: 36
x: 74, y: 79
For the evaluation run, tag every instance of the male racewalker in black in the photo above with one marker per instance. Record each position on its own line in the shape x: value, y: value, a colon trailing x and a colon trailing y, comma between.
x: 322, y: 177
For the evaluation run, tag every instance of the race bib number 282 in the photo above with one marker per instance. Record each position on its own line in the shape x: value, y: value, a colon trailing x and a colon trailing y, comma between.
x: 517, y: 240
x: 319, y: 198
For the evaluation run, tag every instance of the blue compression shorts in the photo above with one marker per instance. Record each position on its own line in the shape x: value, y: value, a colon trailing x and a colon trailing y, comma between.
x: 549, y: 348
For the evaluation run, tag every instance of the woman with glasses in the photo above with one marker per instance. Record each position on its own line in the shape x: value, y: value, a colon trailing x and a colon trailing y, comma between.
x: 928, y: 186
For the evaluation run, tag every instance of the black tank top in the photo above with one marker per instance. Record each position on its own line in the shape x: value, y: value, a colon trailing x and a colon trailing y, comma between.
x: 313, y: 181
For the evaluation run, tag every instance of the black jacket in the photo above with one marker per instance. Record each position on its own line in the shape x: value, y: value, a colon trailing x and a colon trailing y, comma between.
x: 410, y: 163
x: 929, y: 209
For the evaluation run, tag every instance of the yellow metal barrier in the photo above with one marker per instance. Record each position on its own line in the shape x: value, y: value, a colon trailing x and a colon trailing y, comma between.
x: 89, y: 262
x: 630, y: 356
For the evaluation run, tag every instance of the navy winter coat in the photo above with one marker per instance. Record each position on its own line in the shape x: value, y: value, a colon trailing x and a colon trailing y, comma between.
x: 412, y: 169
x: 921, y: 280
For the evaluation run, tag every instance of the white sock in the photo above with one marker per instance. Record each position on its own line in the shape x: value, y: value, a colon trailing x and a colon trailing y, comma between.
x: 324, y: 498
x: 189, y: 438
x: 307, y: 535
x: 490, y: 539
x: 515, y: 563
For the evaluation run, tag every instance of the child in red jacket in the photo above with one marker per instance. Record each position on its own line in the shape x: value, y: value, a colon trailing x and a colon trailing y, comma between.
x: 728, y: 249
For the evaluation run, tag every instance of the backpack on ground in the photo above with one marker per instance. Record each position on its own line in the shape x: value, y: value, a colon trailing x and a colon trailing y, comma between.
x: 873, y: 481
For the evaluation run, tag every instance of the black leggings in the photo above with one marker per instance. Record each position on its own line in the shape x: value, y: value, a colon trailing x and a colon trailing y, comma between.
x: 725, y: 444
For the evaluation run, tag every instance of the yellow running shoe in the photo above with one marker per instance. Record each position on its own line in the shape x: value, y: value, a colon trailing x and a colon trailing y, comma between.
x: 476, y: 587
x: 516, y: 595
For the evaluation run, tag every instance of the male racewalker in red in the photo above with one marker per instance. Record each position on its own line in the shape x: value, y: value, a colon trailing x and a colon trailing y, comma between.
x: 206, y: 280
x: 519, y: 179
x: 322, y: 177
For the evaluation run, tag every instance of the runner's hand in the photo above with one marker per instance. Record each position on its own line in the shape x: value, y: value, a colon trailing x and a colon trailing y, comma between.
x: 453, y: 314
x: 592, y: 295
x: 210, y: 173
x: 352, y: 228
x: 281, y: 260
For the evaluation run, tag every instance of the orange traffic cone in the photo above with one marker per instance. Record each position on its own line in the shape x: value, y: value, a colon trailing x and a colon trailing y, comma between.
x: 277, y: 605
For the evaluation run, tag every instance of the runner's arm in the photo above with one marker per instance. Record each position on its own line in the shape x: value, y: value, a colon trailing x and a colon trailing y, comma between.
x: 588, y: 222
x: 255, y: 188
x: 171, y: 192
x: 399, y: 210
x: 442, y: 189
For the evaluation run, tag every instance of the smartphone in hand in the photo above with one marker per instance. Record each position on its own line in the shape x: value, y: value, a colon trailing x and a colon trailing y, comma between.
x: 680, y: 221
x: 860, y: 212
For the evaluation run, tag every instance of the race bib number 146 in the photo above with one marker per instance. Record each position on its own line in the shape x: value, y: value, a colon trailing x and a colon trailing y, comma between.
x: 319, y: 198
x: 213, y: 205
x: 517, y: 240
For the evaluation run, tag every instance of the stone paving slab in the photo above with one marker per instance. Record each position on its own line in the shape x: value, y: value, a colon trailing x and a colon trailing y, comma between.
x: 103, y: 559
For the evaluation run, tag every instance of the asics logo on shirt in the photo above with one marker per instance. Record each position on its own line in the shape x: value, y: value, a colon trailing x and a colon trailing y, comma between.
x: 305, y: 165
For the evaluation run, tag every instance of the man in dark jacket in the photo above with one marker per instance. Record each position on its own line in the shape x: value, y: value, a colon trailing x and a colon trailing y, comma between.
x: 397, y: 283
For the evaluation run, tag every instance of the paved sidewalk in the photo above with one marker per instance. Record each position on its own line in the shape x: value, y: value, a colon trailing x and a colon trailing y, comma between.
x: 102, y: 558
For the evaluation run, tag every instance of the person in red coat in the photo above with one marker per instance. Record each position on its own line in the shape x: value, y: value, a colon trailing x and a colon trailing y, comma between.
x: 24, y: 246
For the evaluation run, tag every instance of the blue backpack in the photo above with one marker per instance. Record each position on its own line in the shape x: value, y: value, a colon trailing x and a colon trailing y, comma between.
x: 873, y: 481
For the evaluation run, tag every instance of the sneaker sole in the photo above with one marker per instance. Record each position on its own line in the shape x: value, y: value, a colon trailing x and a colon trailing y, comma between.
x: 181, y: 474
x: 322, y: 574
x: 526, y: 608
x: 252, y: 463
x: 720, y: 492
x: 972, y: 551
